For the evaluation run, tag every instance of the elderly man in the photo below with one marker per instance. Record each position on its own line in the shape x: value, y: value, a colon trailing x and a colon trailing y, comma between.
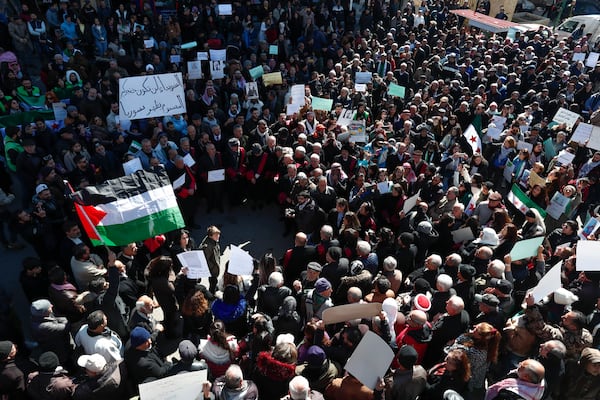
x: 102, y: 381
x: 447, y: 328
x: 299, y: 389
x: 527, y: 382
x: 571, y: 332
x: 232, y: 385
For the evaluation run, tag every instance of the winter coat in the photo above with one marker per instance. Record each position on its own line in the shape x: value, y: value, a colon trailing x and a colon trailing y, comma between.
x: 272, y: 376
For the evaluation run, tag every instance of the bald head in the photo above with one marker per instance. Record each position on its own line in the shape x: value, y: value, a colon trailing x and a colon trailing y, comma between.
x: 531, y: 371
x: 418, y: 317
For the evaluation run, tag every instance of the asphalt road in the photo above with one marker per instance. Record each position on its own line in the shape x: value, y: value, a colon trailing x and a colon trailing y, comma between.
x: 261, y: 228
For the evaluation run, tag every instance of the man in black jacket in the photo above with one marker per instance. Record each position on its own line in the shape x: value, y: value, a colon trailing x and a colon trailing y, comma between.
x: 143, y: 360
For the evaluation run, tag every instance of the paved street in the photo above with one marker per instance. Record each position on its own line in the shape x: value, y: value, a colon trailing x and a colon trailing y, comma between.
x: 262, y: 228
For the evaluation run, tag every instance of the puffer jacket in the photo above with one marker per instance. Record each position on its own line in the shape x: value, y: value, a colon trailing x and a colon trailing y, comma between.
x: 272, y: 376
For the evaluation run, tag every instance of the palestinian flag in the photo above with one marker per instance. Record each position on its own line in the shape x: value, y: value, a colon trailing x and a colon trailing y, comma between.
x: 128, y: 209
x: 522, y: 202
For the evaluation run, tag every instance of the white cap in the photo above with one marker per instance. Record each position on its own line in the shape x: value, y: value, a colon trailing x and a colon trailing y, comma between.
x: 93, y: 363
x: 40, y: 188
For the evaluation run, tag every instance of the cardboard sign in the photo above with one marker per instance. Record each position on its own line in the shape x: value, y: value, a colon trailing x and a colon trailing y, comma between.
x: 348, y: 312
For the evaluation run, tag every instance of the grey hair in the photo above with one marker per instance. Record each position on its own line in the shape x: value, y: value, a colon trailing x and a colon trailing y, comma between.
x: 299, y: 388
x: 275, y: 279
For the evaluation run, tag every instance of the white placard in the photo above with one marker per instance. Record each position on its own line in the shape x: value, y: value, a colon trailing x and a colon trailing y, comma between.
x: 493, y: 132
x: 384, y: 187
x: 251, y: 90
x: 370, y: 360
x: 565, y: 158
x: 564, y: 116
x: 499, y: 121
x: 195, y: 262
x: 410, y: 203
x: 548, y: 284
x: 151, y: 96
x: 462, y: 234
x: 557, y: 206
x: 60, y: 111
x: 240, y: 262
x: 524, y: 145
x: 218, y: 55
x: 594, y: 142
x: 217, y: 175
x: 297, y: 94
x: 148, y: 44
x: 292, y: 108
x: 217, y: 69
x: 175, y: 58
x: 587, y: 255
x: 360, y: 87
x: 179, y: 182
x: 189, y: 160
x: 177, y: 387
x: 578, y: 57
x: 202, y: 56
x: 224, y: 9
x: 582, y: 133
x: 131, y: 166
x: 592, y: 60
x: 194, y: 69
x: 363, y: 77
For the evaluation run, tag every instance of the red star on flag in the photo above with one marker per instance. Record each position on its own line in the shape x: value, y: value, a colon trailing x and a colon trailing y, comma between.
x: 473, y: 139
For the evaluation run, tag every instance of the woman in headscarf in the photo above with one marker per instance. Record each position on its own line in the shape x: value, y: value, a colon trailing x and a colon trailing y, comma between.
x: 288, y: 320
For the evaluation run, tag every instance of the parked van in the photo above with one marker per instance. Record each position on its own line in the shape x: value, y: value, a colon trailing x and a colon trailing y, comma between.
x: 568, y: 26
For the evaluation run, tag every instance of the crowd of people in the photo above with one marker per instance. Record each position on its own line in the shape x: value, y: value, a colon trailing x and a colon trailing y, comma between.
x: 462, y: 163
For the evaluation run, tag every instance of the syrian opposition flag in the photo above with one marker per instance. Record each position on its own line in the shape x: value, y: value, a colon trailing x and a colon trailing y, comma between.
x: 522, y: 202
x: 128, y: 209
x: 473, y: 138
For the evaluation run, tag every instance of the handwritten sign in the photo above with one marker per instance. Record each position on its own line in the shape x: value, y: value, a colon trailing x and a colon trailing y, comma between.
x: 565, y: 157
x: 216, y: 175
x: 195, y: 262
x: 60, y: 111
x: 592, y: 60
x: 578, y: 57
x: 582, y: 133
x: 564, y: 116
x: 202, y: 56
x: 177, y: 387
x: 151, y: 96
x: 274, y: 49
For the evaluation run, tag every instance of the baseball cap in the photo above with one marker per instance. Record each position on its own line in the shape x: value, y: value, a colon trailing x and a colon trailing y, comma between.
x: 93, y: 363
x: 40, y: 188
x: 501, y: 284
x: 488, y: 299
